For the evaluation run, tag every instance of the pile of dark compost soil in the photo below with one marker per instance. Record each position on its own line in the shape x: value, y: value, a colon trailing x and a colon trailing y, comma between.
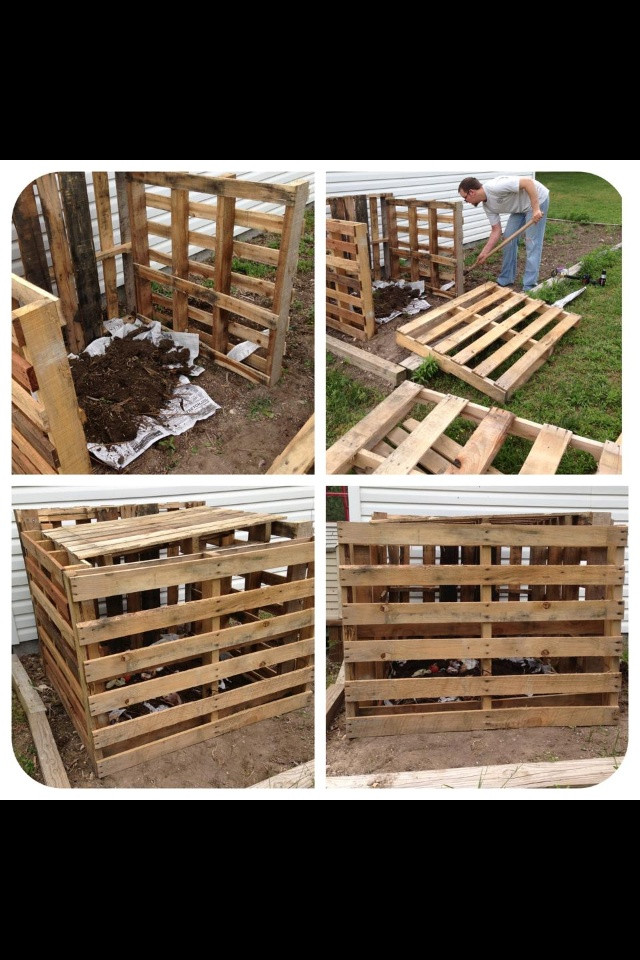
x: 388, y: 299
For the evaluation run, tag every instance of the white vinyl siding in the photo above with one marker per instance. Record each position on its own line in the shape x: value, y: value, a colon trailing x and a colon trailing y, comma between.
x: 472, y: 500
x: 164, y: 217
x: 296, y: 503
x: 427, y: 186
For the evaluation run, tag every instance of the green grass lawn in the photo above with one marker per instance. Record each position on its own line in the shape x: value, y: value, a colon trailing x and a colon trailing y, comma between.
x: 582, y: 197
x: 578, y: 388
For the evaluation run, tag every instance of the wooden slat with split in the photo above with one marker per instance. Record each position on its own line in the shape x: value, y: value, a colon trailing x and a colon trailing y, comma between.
x: 478, y: 648
x: 547, y: 451
x: 410, y: 451
x: 479, y: 451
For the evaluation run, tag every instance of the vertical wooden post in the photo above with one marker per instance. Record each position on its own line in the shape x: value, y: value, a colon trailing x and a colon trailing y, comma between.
x: 615, y: 557
x: 385, y: 199
x: 366, y: 289
x: 434, y: 247
x: 392, y: 233
x: 180, y: 255
x: 225, y: 217
x: 414, y: 265
x: 105, y: 232
x: 375, y: 237
x: 486, y: 664
x: 458, y: 248
x: 75, y: 202
x: 30, y: 242
x: 61, y: 259
x: 139, y: 244
x: 286, y: 271
x: 125, y: 237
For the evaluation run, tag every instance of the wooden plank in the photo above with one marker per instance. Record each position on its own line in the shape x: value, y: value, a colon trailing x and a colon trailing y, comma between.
x: 414, y: 575
x: 301, y: 777
x: 223, y: 257
x: 89, y: 583
x: 484, y: 443
x: 392, y: 373
x: 140, y: 245
x: 355, y: 614
x: 187, y: 738
x: 30, y: 243
x: 32, y: 409
x: 450, y: 366
x: 97, y: 631
x: 424, y: 322
x: 53, y: 771
x: 207, y: 707
x: 22, y: 372
x: 484, y: 686
x: 254, y: 632
x: 145, y: 689
x: 481, y: 720
x: 372, y: 428
x: 77, y: 215
x: 298, y: 456
x: 36, y: 437
x: 279, y: 193
x: 105, y: 232
x: 207, y: 211
x: 611, y: 458
x: 547, y: 451
x: 523, y: 368
x: 459, y: 647
x: 564, y: 773
x: 335, y: 697
x: 61, y: 258
x: 413, y: 448
x: 125, y: 237
x: 495, y: 535
x: 497, y: 331
x: 56, y: 394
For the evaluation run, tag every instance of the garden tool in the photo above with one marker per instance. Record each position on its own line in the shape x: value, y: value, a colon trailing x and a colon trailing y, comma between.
x: 513, y: 236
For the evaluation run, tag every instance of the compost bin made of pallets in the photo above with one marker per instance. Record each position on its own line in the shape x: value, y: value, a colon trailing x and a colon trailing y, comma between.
x: 148, y: 606
x: 432, y: 592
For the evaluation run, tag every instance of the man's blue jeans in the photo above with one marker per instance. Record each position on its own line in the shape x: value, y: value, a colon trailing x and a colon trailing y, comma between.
x: 533, y: 238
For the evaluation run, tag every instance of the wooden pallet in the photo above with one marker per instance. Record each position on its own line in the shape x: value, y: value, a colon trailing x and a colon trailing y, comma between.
x: 47, y: 435
x: 108, y: 583
x: 485, y: 331
x: 389, y: 440
x: 432, y: 592
x: 349, y: 292
x: 221, y: 318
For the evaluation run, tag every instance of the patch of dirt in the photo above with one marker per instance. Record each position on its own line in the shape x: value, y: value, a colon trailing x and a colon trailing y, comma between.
x: 437, y: 751
x: 566, y: 247
x: 388, y: 299
x: 133, y: 379
x: 236, y: 759
x: 255, y: 423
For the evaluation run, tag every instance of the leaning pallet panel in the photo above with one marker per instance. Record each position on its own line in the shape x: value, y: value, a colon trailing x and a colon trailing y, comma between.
x: 47, y: 434
x: 423, y: 596
x: 390, y: 440
x: 349, y: 291
x: 489, y: 329
x: 162, y: 626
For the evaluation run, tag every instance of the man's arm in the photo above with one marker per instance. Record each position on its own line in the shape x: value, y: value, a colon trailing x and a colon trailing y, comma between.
x: 526, y: 183
x: 494, y: 236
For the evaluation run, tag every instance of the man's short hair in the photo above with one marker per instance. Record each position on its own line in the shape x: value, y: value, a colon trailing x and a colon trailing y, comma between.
x: 469, y: 183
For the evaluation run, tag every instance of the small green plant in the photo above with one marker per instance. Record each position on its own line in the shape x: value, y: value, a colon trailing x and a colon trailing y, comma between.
x: 261, y: 408
x: 426, y: 371
x: 160, y: 289
x: 251, y: 269
x: 168, y: 445
x: 27, y: 761
x: 296, y: 304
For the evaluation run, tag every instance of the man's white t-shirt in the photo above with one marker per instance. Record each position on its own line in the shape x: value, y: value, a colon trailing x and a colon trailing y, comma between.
x: 505, y: 196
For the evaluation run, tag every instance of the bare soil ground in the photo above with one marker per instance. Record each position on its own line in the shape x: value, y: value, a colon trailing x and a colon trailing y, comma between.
x: 565, y: 247
x: 436, y: 751
x: 236, y: 759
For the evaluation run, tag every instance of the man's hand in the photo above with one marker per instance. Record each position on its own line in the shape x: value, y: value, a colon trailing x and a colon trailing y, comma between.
x: 537, y: 215
x: 481, y: 259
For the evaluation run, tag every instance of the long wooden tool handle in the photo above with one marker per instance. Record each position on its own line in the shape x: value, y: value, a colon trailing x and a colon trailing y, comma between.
x: 509, y: 239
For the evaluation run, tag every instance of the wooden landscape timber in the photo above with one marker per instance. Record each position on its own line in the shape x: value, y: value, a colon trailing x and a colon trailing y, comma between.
x: 147, y: 606
x: 409, y: 238
x: 51, y: 766
x: 549, y: 588
x: 348, y: 291
x: 505, y: 776
x: 392, y: 373
x: 298, y: 456
x: 166, y: 291
x: 389, y: 440
x: 298, y: 778
x: 47, y: 435
x: 489, y: 330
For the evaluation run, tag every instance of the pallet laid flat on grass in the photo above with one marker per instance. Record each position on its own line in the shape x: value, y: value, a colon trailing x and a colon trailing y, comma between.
x: 163, y: 625
x: 462, y: 625
x: 389, y: 440
x: 492, y: 338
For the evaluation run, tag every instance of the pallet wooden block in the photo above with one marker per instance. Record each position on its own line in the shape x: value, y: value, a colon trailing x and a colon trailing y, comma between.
x: 349, y: 291
x: 485, y: 329
x: 430, y: 592
x: 47, y: 433
x: 161, y: 627
x: 389, y: 440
